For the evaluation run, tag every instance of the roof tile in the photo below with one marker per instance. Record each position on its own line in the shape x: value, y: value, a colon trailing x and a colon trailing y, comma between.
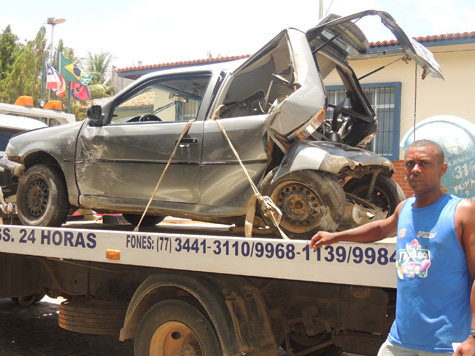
x: 182, y: 63
x: 448, y: 36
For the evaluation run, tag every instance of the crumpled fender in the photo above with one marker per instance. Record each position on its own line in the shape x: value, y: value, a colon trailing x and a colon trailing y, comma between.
x: 332, y: 157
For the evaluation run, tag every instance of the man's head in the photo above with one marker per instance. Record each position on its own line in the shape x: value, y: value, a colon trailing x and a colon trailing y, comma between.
x: 425, y: 167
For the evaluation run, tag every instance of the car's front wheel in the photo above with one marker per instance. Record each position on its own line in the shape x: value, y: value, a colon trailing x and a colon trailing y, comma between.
x: 310, y: 201
x: 42, y: 198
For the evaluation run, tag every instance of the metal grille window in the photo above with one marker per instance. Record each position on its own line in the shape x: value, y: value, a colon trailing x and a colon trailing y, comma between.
x: 385, y: 98
x: 187, y: 111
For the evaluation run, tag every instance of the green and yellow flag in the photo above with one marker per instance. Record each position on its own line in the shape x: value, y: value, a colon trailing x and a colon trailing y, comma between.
x: 71, y: 72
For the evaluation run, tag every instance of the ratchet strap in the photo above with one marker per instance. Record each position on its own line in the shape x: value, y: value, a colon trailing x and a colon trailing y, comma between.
x: 270, y: 210
x: 185, y: 130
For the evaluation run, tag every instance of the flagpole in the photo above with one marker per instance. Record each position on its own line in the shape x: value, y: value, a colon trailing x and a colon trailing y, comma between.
x: 53, y: 22
x: 57, y: 68
x: 69, y: 97
x: 43, y: 82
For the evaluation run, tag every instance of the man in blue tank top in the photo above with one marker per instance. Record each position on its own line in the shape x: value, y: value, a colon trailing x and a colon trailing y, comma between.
x: 435, y: 261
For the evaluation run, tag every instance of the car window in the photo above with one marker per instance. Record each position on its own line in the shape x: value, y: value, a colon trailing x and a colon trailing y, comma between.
x: 266, y: 80
x: 175, y: 98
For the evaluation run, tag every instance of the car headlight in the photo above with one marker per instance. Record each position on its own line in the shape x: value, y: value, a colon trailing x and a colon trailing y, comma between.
x: 307, y: 129
x: 364, y: 142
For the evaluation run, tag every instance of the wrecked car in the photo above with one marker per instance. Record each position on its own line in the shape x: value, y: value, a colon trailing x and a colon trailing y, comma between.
x: 273, y: 107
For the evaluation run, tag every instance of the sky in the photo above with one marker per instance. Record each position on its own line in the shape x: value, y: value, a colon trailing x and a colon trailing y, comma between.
x: 157, y: 31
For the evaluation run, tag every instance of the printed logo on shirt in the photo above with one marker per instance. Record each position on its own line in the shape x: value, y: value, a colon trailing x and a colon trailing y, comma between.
x: 426, y: 235
x: 402, y: 233
x: 412, y: 261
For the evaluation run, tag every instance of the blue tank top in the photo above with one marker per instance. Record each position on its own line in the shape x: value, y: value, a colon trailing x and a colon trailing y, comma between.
x: 433, y: 289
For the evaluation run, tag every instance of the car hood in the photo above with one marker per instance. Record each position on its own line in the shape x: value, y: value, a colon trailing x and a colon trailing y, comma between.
x: 44, y: 139
x: 342, y: 35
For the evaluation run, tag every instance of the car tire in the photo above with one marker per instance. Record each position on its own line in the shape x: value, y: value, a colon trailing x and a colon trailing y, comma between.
x: 148, y: 220
x: 310, y: 201
x: 387, y: 194
x: 26, y: 301
x: 42, y: 198
x: 176, y: 327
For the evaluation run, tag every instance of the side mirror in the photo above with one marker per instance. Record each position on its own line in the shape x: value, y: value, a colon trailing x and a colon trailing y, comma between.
x: 94, y: 113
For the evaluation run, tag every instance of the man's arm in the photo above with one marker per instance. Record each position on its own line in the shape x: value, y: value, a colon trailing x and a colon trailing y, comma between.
x: 373, y: 231
x: 465, y: 229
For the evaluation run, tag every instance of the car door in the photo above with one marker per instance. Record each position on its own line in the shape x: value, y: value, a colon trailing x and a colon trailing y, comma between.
x: 120, y: 163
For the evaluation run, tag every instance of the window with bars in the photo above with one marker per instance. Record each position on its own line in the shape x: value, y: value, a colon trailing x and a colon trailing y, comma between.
x: 385, y: 98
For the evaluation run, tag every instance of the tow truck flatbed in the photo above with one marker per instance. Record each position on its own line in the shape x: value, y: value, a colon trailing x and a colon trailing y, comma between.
x: 207, y: 248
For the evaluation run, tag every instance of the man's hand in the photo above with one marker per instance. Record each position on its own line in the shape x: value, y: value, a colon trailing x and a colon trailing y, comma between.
x: 323, y: 238
x: 467, y: 348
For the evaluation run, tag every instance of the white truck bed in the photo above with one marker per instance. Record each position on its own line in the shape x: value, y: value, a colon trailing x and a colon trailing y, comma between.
x: 369, y: 264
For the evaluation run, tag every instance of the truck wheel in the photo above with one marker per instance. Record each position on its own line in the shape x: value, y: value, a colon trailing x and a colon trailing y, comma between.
x: 176, y: 327
x: 147, y: 221
x: 387, y: 194
x: 310, y: 201
x: 42, y: 198
x: 92, y: 316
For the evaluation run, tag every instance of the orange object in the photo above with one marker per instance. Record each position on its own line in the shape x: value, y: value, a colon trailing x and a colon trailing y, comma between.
x: 54, y: 104
x: 113, y: 254
x: 24, y: 101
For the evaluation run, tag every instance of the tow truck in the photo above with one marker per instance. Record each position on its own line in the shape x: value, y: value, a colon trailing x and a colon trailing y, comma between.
x: 185, y: 288
x: 205, y: 289
x: 189, y: 288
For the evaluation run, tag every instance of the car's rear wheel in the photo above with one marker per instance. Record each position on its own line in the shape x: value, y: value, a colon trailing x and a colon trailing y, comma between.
x: 42, y: 197
x: 386, y: 195
x: 148, y: 220
x: 310, y: 201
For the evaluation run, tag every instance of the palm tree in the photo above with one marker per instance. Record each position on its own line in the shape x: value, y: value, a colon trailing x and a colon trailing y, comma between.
x: 99, y: 65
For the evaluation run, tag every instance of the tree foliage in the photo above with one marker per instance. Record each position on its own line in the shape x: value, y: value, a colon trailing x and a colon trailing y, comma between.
x: 22, y: 73
x: 8, y: 50
x: 99, y: 65
x: 22, y: 66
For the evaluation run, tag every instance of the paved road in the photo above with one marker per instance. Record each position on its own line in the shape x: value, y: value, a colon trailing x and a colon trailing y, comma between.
x: 34, y: 331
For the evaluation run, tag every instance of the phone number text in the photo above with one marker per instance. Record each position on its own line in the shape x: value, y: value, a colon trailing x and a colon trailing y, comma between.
x: 273, y: 250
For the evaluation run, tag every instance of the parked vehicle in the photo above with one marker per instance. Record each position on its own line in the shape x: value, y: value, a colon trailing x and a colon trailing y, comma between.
x: 274, y: 109
x: 15, y: 119
x: 9, y: 126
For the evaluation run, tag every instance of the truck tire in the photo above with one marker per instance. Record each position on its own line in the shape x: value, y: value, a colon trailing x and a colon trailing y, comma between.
x: 42, y: 197
x: 387, y: 194
x: 148, y: 220
x: 92, y: 316
x: 176, y: 327
x: 310, y: 201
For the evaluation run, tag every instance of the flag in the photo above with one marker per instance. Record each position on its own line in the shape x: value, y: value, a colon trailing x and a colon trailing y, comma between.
x: 80, y: 92
x: 55, y: 81
x: 71, y: 72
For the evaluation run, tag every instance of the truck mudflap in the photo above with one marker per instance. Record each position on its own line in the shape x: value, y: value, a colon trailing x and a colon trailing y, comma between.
x: 235, y: 308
